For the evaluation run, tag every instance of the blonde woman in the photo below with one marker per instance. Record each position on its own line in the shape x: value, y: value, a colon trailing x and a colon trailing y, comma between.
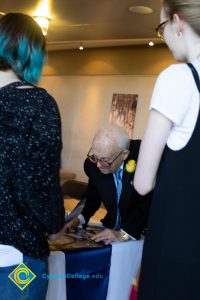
x: 169, y: 161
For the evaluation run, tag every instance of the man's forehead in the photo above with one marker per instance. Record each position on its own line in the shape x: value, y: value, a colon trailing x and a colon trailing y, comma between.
x: 102, y: 149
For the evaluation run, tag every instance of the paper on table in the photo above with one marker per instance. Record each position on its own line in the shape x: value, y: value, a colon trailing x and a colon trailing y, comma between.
x: 80, y: 239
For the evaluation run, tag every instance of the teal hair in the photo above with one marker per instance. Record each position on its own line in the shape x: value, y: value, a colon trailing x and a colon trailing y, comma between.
x: 22, y: 47
x: 30, y: 61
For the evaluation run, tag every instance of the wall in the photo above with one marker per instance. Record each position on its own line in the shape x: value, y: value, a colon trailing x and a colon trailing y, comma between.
x: 138, y: 60
x: 83, y: 84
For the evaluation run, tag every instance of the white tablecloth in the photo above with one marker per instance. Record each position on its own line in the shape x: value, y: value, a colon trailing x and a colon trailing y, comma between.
x: 125, y: 261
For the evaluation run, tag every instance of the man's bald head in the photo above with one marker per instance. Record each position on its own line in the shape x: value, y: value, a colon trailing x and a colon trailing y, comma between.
x: 108, y: 142
x: 111, y: 136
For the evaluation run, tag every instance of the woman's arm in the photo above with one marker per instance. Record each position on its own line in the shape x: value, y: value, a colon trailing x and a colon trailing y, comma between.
x: 152, y: 146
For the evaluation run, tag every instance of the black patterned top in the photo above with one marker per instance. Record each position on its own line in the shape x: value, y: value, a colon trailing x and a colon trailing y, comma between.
x: 31, y: 203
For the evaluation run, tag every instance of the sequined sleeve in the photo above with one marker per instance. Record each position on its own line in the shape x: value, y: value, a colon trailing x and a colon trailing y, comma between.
x: 43, y: 162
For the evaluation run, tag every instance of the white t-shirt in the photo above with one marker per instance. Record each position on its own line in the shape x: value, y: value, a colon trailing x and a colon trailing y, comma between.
x: 10, y: 256
x: 176, y: 96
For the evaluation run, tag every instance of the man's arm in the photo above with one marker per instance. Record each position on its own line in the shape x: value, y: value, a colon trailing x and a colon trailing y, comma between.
x: 92, y: 204
x: 134, y: 225
x: 93, y: 201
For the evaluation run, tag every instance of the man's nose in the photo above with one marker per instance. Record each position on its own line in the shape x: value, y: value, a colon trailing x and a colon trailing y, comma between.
x: 98, y: 164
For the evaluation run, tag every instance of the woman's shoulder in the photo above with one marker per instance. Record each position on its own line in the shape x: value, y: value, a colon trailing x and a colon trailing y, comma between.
x: 42, y: 96
x: 178, y: 71
x: 42, y: 92
x: 175, y: 76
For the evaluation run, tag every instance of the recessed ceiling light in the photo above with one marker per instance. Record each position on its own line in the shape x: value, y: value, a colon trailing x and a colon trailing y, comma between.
x: 151, y: 44
x: 81, y: 47
x: 144, y: 10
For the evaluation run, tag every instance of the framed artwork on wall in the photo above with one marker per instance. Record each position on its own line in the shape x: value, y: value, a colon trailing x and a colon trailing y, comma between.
x: 123, y: 110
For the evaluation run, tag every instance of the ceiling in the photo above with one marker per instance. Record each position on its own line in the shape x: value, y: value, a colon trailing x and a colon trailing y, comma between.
x: 94, y: 23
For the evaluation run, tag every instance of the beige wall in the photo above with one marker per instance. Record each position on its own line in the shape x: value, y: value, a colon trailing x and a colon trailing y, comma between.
x: 83, y: 84
x: 108, y: 61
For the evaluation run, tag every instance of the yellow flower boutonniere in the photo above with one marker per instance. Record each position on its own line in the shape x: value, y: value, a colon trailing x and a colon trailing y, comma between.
x: 130, y: 166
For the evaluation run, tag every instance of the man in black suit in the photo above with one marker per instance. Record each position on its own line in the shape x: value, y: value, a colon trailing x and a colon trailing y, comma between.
x: 127, y: 212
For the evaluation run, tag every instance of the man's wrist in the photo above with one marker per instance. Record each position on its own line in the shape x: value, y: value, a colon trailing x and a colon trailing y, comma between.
x: 124, y: 235
x: 81, y: 219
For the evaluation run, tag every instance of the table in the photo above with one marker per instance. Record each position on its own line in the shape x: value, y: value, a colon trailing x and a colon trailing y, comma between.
x: 125, y: 261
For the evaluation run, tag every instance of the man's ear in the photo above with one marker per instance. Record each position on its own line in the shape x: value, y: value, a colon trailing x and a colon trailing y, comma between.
x: 125, y: 154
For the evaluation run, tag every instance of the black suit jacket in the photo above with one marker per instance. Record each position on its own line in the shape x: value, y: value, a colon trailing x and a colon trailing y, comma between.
x: 134, y: 208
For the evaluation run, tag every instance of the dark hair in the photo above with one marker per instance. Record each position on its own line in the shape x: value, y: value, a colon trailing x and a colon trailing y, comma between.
x: 188, y: 10
x: 22, y: 46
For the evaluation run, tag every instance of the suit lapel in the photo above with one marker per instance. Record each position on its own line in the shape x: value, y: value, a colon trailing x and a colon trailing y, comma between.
x: 127, y: 188
x: 127, y: 181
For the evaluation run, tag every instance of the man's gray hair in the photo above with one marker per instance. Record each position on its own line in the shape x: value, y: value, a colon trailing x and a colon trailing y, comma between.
x: 115, y: 134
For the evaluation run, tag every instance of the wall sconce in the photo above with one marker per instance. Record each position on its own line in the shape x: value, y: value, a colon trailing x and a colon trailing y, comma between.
x: 42, y: 15
x: 43, y: 22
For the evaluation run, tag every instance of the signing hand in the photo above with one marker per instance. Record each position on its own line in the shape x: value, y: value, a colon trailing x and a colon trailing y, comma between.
x: 108, y: 236
x: 73, y: 224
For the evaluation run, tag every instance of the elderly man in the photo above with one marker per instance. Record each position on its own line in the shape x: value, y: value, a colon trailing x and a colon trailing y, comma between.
x: 110, y: 166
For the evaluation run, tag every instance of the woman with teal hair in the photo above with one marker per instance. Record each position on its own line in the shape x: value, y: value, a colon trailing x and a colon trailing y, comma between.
x: 31, y: 203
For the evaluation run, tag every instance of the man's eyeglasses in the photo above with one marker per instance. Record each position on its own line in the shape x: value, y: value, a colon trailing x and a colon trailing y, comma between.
x: 160, y: 29
x: 104, y: 163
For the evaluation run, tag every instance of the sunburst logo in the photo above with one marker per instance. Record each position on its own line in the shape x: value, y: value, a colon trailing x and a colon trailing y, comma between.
x: 22, y: 276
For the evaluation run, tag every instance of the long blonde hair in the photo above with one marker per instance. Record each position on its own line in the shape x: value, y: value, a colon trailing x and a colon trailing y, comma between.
x: 189, y: 11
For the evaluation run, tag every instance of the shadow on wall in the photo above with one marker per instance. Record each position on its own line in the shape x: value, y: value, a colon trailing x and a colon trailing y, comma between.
x: 73, y: 189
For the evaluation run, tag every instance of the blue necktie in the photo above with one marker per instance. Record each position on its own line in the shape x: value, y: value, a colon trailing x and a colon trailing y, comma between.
x: 118, y: 181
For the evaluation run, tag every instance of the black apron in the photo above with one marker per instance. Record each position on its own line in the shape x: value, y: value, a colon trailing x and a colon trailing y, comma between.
x: 171, y: 257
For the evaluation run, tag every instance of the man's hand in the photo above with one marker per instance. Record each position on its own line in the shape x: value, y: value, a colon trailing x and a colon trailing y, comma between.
x: 69, y: 227
x: 73, y: 224
x: 108, y: 236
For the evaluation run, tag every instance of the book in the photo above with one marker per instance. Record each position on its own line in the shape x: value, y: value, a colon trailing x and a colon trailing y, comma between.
x: 79, y: 239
